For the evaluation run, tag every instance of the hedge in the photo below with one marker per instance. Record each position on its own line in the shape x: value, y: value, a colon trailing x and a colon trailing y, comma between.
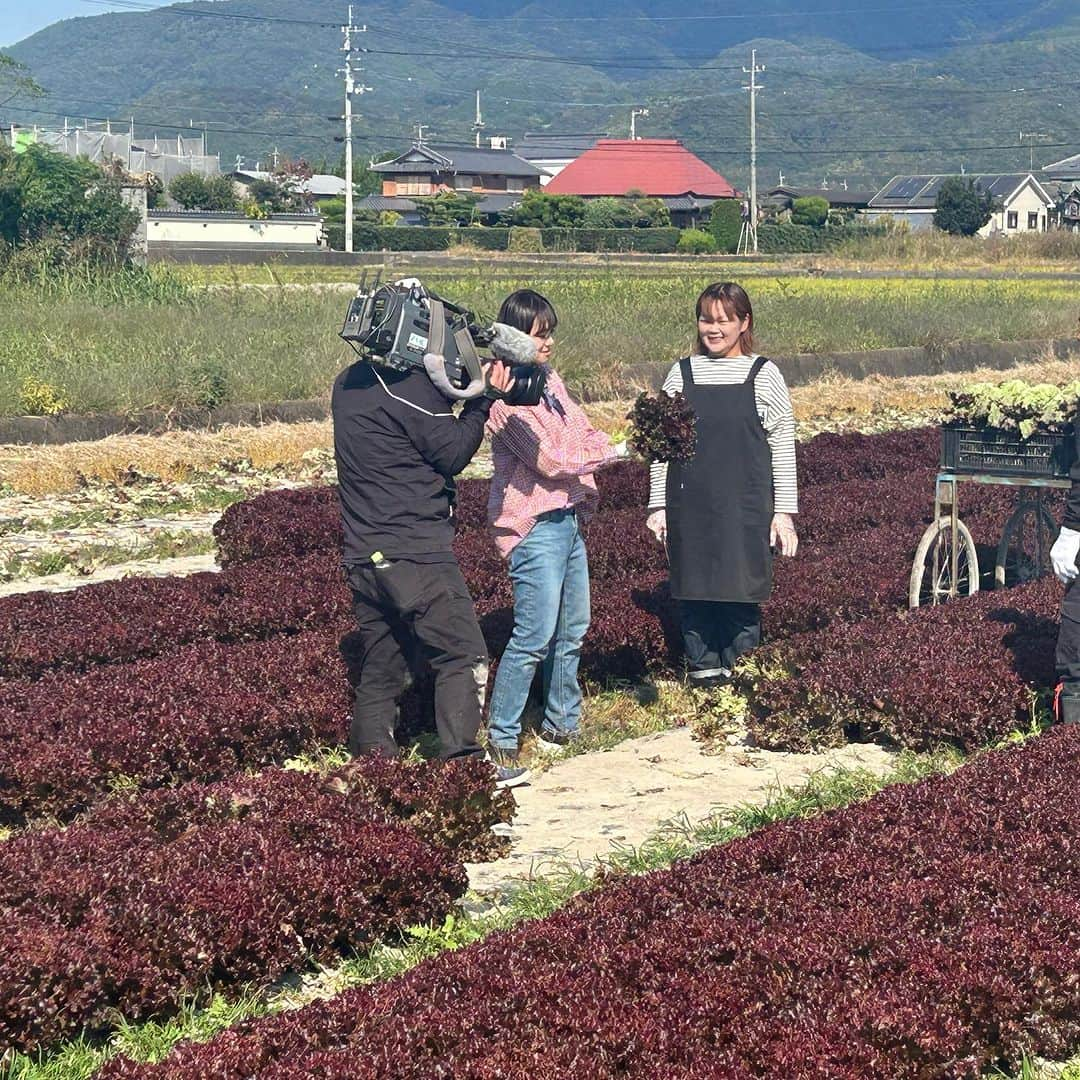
x: 725, y: 223
x: 657, y: 241
x: 931, y: 931
x: 430, y: 238
x: 153, y: 899
x: 782, y: 237
x: 525, y: 238
x: 773, y: 237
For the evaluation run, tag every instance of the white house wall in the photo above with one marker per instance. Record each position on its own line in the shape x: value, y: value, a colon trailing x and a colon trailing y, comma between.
x: 552, y: 167
x: 239, y: 232
x: 1027, y: 201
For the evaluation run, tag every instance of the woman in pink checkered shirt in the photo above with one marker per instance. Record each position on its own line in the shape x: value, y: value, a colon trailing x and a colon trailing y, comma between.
x: 541, y: 492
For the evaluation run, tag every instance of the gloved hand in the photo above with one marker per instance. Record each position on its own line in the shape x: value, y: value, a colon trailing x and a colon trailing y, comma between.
x: 621, y: 449
x: 499, y: 380
x: 1063, y: 554
x: 656, y: 523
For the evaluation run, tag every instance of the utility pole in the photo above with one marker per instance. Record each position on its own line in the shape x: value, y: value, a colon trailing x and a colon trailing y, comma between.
x: 203, y: 124
x: 1032, y: 136
x: 478, y: 123
x: 420, y: 132
x: 753, y: 71
x: 634, y: 114
x: 350, y: 89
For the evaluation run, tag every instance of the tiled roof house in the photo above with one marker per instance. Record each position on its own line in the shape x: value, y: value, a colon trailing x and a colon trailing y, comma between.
x: 663, y: 168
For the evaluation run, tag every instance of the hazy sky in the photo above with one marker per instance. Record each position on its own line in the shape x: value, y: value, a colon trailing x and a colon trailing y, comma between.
x: 21, y: 18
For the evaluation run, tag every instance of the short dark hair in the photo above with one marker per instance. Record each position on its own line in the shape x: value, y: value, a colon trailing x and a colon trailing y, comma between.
x: 733, y: 299
x: 525, y: 308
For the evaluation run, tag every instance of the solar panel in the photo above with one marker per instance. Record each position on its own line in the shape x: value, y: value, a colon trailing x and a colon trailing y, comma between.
x: 896, y: 190
x: 933, y: 187
x: 1000, y: 185
x: 907, y: 187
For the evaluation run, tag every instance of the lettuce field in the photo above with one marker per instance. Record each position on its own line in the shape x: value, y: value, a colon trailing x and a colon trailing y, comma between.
x: 158, y: 850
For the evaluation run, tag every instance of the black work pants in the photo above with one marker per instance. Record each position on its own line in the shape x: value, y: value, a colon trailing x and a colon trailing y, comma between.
x: 1067, y: 658
x: 716, y: 633
x: 405, y: 606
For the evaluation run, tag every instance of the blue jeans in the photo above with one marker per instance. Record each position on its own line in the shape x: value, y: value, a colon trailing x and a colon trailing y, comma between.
x: 549, y: 571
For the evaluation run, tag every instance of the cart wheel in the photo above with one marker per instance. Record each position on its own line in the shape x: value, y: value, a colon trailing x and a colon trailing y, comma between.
x: 931, y: 572
x: 1024, y: 551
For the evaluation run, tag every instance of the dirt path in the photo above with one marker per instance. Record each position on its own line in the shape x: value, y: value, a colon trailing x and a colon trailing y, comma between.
x: 582, y: 806
x: 183, y: 564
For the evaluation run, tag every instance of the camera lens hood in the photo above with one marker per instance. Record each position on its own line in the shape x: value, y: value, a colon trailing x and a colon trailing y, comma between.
x: 528, y: 387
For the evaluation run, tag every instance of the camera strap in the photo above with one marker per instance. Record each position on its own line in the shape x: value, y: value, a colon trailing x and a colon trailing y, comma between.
x: 466, y: 350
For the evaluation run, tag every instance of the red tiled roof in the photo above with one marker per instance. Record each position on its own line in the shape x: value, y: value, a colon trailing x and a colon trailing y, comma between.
x: 655, y: 166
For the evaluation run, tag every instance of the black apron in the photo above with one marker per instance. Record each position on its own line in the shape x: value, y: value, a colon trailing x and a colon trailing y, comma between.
x: 720, y: 503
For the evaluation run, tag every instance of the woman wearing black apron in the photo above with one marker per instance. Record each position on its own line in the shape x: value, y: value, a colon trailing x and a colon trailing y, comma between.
x: 722, y: 512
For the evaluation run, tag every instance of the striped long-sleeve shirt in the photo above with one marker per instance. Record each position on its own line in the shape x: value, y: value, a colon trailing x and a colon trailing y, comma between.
x: 773, y: 406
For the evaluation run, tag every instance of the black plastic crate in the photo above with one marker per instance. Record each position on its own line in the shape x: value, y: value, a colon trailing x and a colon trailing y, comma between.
x: 1005, y: 453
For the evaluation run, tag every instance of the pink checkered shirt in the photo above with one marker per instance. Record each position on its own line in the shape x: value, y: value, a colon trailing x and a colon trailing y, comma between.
x: 544, y: 457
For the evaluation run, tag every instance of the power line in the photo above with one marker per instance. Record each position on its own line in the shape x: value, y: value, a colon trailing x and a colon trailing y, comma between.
x: 535, y: 101
x: 169, y: 126
x: 657, y: 100
x: 622, y: 150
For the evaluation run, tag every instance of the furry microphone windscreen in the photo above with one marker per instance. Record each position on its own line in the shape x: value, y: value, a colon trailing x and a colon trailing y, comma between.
x: 512, y: 345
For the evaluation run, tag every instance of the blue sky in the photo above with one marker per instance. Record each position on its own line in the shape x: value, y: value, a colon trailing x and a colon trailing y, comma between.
x: 21, y: 18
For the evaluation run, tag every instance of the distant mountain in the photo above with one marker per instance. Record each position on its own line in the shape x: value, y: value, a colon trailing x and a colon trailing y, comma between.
x: 850, y: 91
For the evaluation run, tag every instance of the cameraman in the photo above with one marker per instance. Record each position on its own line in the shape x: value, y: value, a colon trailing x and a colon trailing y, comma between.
x: 398, y: 444
x: 1063, y: 556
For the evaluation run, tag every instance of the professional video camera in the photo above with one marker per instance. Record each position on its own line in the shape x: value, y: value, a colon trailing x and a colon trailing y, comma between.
x: 403, y: 326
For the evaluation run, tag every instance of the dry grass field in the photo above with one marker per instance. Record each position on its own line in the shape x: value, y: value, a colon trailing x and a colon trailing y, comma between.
x: 832, y: 403
x: 168, y: 343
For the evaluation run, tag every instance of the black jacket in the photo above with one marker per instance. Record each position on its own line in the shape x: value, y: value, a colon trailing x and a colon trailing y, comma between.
x: 398, y: 444
x: 1072, y: 507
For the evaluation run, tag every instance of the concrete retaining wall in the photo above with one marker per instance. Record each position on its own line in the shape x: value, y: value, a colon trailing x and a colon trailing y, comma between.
x: 798, y: 371
x: 54, y: 430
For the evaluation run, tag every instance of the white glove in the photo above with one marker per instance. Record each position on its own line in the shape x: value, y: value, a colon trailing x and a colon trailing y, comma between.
x: 656, y: 523
x: 621, y: 449
x: 1063, y: 554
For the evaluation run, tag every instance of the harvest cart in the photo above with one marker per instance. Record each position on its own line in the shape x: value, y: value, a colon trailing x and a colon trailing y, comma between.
x: 946, y: 564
